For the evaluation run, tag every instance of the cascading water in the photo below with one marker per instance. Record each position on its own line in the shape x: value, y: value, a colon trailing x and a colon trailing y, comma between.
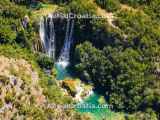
x: 64, y: 57
x: 47, y: 35
x: 42, y: 32
x: 65, y: 52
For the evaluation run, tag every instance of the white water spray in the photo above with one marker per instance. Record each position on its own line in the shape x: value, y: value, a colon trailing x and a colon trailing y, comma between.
x: 42, y: 31
x: 51, y: 50
x: 47, y: 35
x: 65, y: 52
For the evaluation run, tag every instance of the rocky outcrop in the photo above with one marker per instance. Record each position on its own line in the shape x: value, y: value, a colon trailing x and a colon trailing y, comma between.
x: 76, y: 88
x: 18, y: 85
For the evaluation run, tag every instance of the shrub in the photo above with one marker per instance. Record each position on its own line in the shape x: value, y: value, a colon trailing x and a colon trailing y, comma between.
x: 82, y: 7
x: 109, y: 5
x: 45, y: 62
x: 4, y: 80
x: 22, y: 40
x: 136, y: 2
x: 9, y: 97
x: 1, y: 103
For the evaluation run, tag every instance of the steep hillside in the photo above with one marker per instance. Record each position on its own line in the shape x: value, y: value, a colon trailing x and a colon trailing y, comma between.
x: 26, y: 92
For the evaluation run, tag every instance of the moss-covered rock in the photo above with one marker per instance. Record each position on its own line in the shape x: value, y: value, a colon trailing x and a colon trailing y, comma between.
x: 70, y: 85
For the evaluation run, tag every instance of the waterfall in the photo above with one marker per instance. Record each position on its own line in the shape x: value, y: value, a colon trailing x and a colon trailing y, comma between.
x: 65, y: 52
x: 51, y: 50
x: 42, y: 31
x: 47, y: 35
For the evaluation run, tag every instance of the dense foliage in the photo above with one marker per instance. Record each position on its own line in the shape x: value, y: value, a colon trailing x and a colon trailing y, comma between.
x: 121, y: 75
x: 136, y: 2
x: 13, y: 30
x: 120, y: 59
x: 45, y: 62
x: 109, y: 5
x: 123, y: 70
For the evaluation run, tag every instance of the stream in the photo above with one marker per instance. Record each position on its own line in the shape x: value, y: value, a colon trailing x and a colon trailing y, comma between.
x: 85, y: 105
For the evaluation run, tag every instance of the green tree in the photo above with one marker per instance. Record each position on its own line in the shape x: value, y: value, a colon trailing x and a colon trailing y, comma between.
x: 120, y: 74
x: 92, y: 64
x: 45, y: 62
x: 109, y: 5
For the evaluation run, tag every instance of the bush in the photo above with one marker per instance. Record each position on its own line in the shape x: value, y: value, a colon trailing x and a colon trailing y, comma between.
x: 7, y: 35
x: 82, y: 7
x: 136, y: 2
x: 142, y: 116
x: 109, y: 5
x: 4, y: 80
x: 45, y: 62
x: 1, y: 103
x: 11, y: 30
x: 9, y: 97
x: 118, y: 73
x: 22, y: 39
x: 31, y: 111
